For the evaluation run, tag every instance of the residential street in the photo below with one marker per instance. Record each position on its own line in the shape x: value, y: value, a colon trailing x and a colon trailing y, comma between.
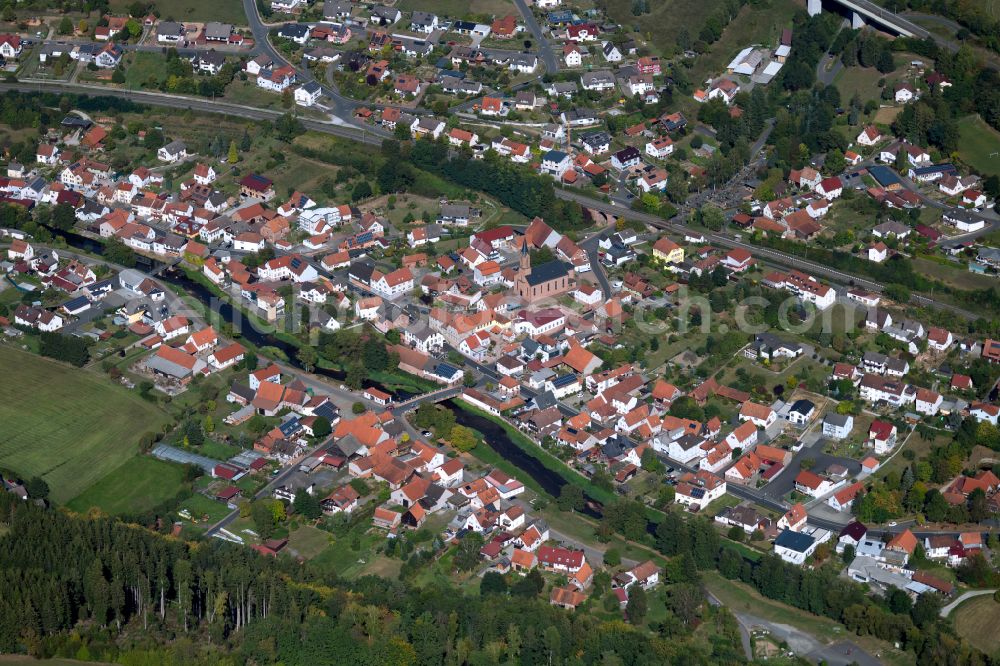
x: 401, y: 267
x: 545, y: 52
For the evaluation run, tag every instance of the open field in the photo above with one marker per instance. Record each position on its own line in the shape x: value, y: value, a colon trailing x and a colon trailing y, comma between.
x: 976, y: 621
x: 247, y: 92
x: 665, y: 19
x: 341, y: 556
x: 299, y: 173
x: 227, y: 11
x: 955, y: 275
x: 68, y: 426
x: 887, y: 114
x: 138, y: 485
x: 308, y: 541
x: 459, y: 8
x: 979, y: 145
x: 860, y: 80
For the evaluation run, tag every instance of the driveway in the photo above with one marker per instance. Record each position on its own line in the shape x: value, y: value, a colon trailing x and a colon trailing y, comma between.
x: 812, y: 450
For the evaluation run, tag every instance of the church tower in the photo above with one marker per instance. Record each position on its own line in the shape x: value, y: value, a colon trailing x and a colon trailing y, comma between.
x: 525, y: 258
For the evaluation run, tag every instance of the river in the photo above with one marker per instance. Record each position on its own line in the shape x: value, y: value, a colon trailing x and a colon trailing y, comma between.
x: 498, y: 440
x: 224, y: 310
x: 494, y: 435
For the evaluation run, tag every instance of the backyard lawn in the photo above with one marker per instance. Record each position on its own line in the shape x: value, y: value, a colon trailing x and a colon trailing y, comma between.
x: 247, y: 92
x: 68, y: 426
x: 860, y: 80
x: 145, y: 70
x: 979, y: 145
x: 308, y: 541
x: 348, y: 555
x: 205, y: 510
x: 139, y: 484
x: 976, y: 621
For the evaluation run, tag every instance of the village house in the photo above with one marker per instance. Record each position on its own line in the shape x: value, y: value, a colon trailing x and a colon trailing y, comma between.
x: 812, y: 484
x: 882, y: 437
x: 697, y: 491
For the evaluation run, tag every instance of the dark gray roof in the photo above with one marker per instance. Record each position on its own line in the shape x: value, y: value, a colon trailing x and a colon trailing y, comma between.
x: 175, y: 146
x: 294, y: 30
x: 213, y: 57
x: 628, y: 153
x: 839, y: 420
x: 544, y: 400
x: 596, y: 138
x: 216, y: 30
x: 336, y: 7
x: 169, y: 28
x: 796, y: 541
x: 349, y: 445
x: 772, y: 341
x: 803, y: 406
x: 550, y: 270
x: 242, y: 390
x: 362, y: 271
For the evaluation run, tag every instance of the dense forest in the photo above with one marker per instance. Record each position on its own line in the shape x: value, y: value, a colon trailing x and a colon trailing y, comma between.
x: 97, y: 588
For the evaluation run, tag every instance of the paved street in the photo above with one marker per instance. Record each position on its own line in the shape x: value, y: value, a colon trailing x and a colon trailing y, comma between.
x: 828, y: 68
x: 370, y: 137
x: 772, y: 256
x: 545, y: 52
x: 340, y: 106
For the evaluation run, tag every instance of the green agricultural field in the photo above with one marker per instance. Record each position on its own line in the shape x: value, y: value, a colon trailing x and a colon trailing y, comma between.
x: 138, y: 485
x: 459, y: 8
x: 979, y: 145
x: 25, y: 659
x: 227, y: 11
x: 68, y: 426
x: 976, y: 621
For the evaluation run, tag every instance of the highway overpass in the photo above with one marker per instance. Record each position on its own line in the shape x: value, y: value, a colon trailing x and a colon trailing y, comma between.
x: 863, y: 12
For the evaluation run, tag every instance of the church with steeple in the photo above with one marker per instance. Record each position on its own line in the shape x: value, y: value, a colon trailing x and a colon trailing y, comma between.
x: 548, y: 280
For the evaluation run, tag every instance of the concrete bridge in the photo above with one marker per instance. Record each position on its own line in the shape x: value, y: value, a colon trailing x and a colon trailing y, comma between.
x: 864, y: 12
